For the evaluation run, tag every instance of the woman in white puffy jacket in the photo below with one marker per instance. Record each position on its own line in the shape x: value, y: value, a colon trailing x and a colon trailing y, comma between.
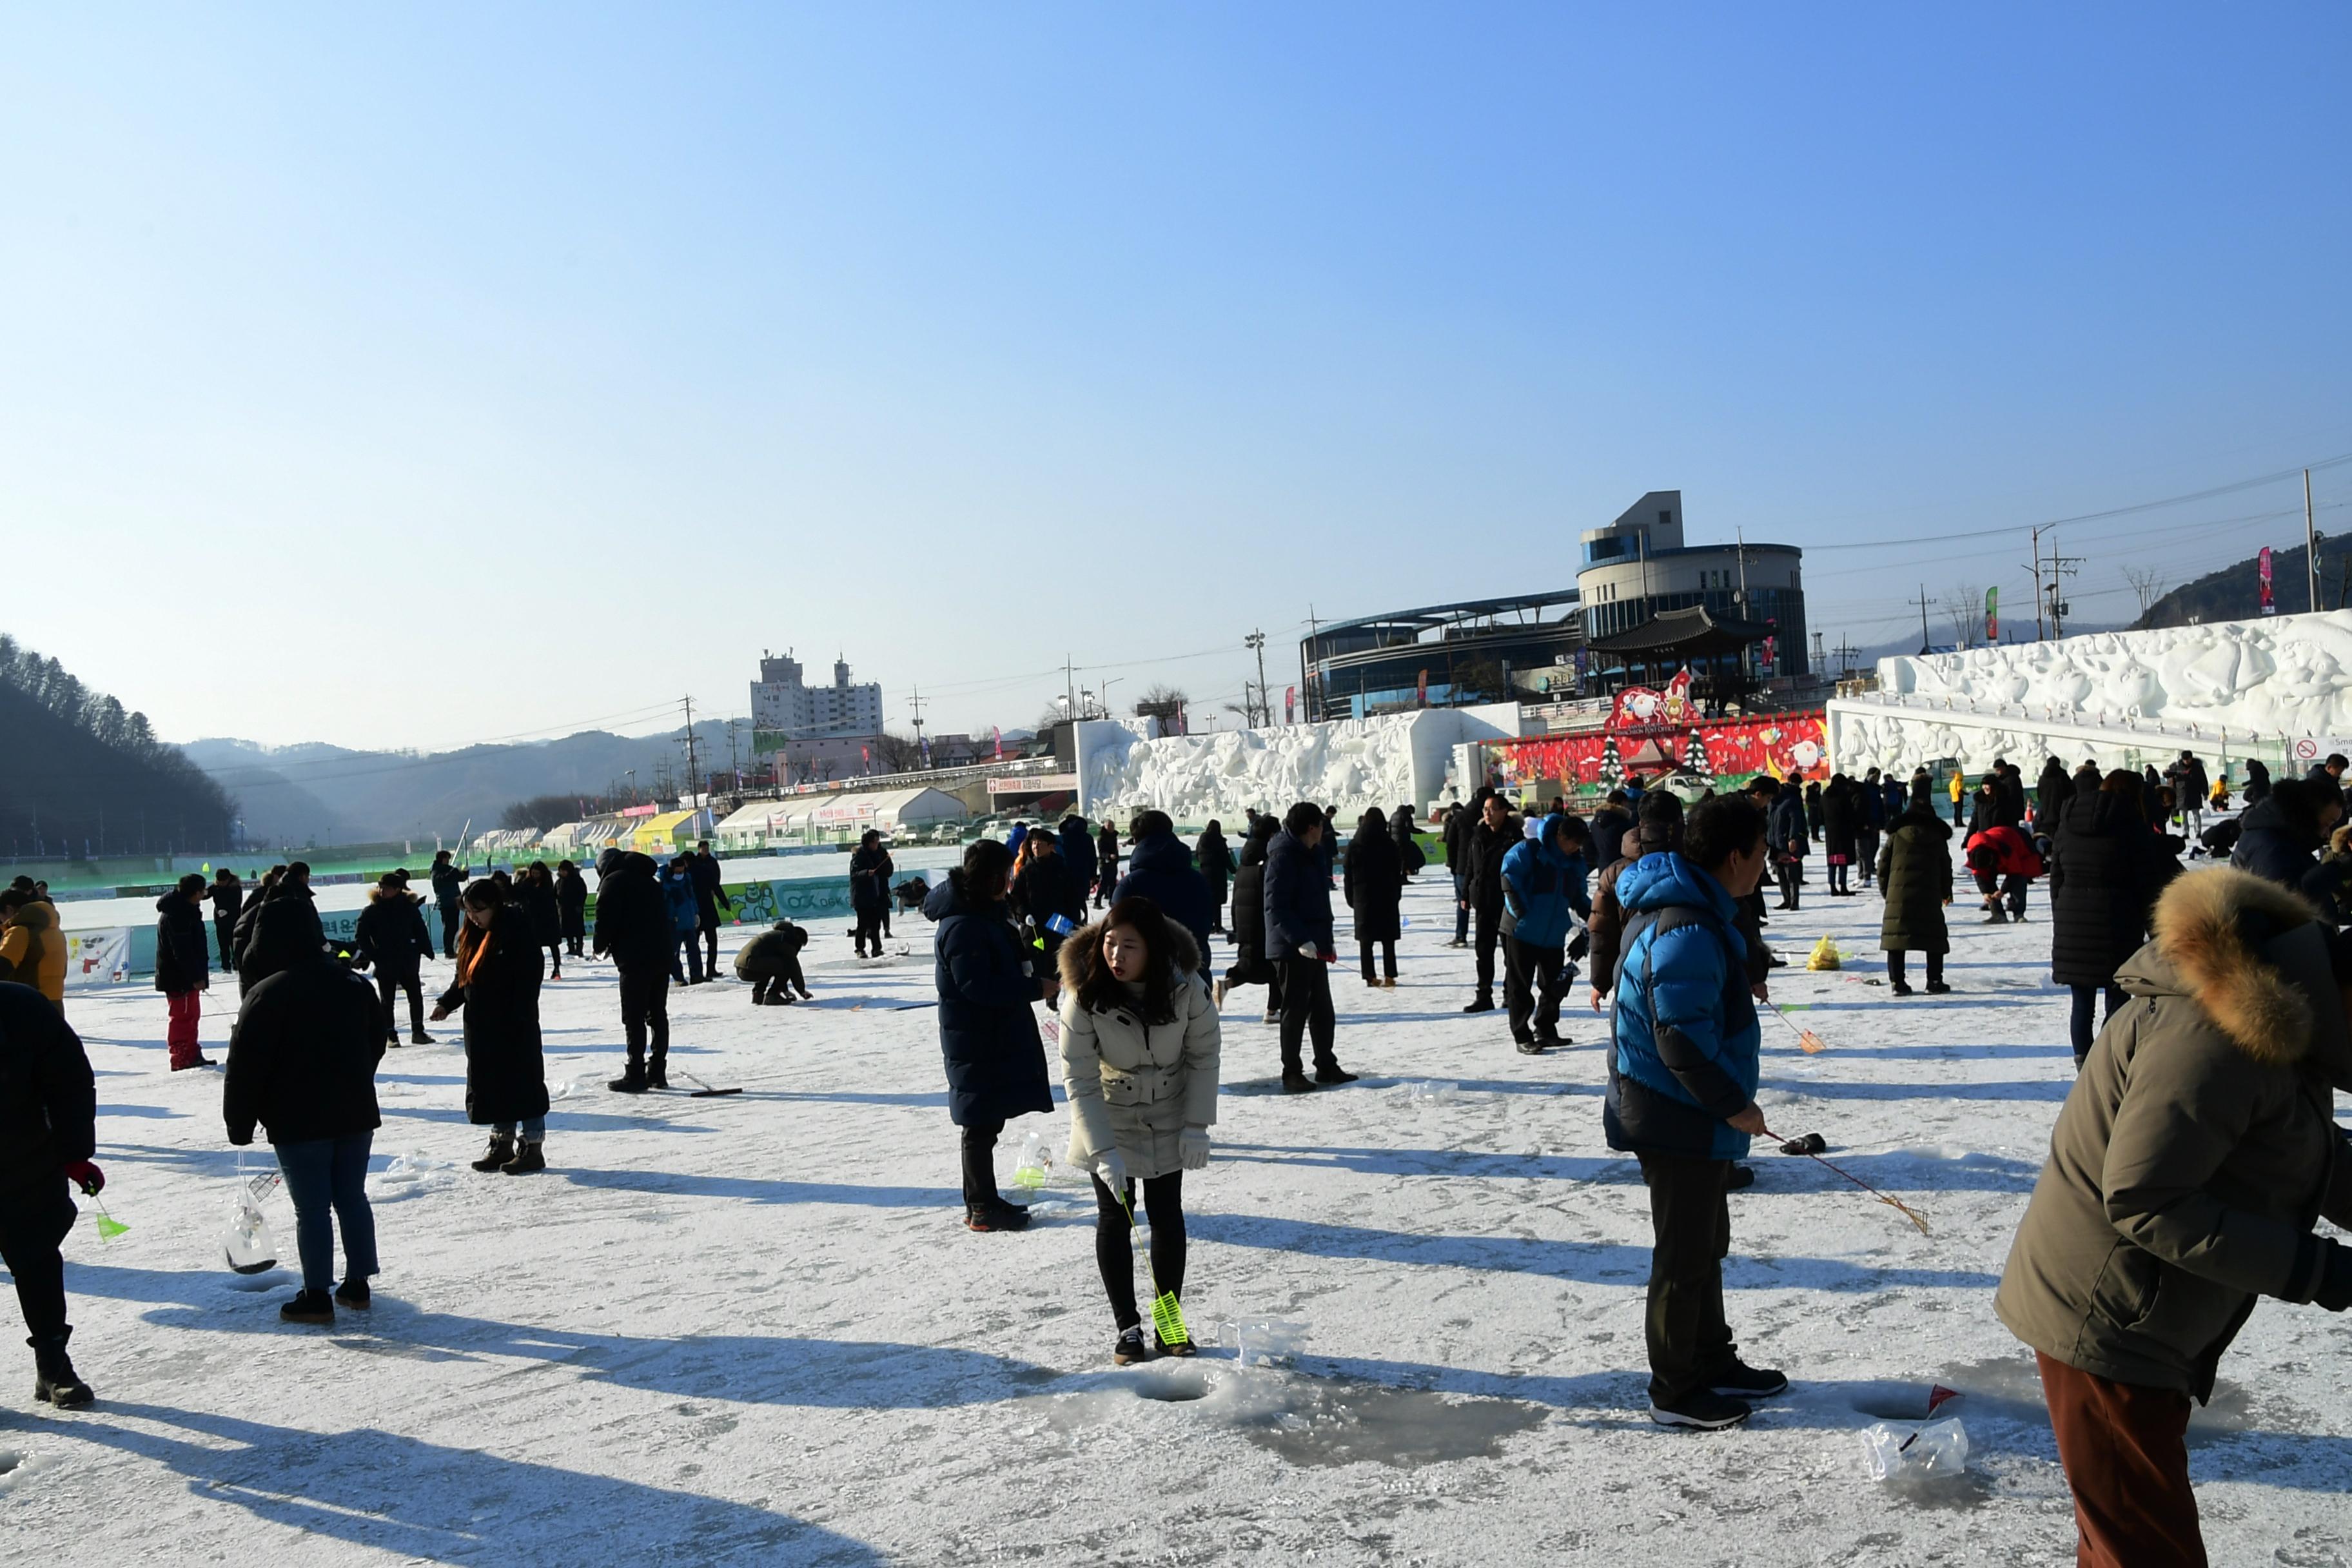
x: 1140, y: 1061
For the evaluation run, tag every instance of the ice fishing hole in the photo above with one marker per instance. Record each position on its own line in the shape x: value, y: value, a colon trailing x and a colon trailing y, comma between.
x: 1173, y: 1387
x: 9, y: 1460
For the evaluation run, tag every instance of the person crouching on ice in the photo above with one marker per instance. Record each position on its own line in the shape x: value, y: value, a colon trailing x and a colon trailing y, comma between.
x: 772, y: 962
x: 2190, y: 1163
x: 1683, y: 1069
x: 1140, y: 1048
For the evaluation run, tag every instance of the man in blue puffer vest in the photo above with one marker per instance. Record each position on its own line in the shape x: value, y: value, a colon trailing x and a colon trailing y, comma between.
x: 1683, y: 1070
x: 1543, y: 879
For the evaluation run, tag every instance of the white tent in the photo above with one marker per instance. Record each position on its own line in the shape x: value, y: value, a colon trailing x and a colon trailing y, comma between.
x: 819, y: 819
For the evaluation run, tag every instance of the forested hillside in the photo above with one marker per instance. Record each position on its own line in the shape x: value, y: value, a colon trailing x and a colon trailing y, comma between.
x: 83, y: 774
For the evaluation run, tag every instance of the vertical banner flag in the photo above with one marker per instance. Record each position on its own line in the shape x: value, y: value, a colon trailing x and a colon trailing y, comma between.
x: 2264, y: 568
x: 999, y: 732
x: 1421, y: 690
x: 1289, y: 704
x: 1992, y: 617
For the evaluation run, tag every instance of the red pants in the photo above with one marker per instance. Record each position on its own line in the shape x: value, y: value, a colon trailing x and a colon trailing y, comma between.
x: 186, y: 1007
x: 2127, y: 1459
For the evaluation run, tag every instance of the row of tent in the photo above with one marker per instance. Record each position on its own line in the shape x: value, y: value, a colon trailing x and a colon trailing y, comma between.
x: 758, y: 825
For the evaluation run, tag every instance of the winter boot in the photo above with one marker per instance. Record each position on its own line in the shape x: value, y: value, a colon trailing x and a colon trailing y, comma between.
x: 1937, y: 988
x: 1701, y: 1411
x: 1296, y: 1081
x: 1551, y: 1039
x: 55, y: 1382
x: 309, y: 1306
x: 632, y: 1081
x: 1332, y: 1073
x: 420, y: 1037
x: 1481, y: 1002
x: 988, y: 1217
x: 657, y: 1073
x: 501, y: 1151
x: 353, y: 1293
x: 1996, y: 916
x: 528, y: 1158
x: 1130, y: 1348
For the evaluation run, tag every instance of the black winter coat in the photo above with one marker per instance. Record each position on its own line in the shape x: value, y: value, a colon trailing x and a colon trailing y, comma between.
x: 869, y: 879
x: 1374, y: 886
x: 1160, y: 869
x: 1610, y: 826
x: 2105, y: 870
x: 1214, y: 858
x: 49, y: 1099
x: 448, y: 882
x: 506, y: 1070
x: 1458, y: 828
x: 1487, y: 847
x: 1298, y: 899
x: 228, y: 900
x: 1106, y: 851
x: 545, y: 912
x: 988, y: 1019
x: 1838, y: 821
x: 1046, y: 889
x: 286, y: 932
x: 391, y: 935
x: 182, y: 961
x: 1785, y: 828
x: 571, y: 898
x: 2051, y: 793
x: 303, y: 1054
x: 1078, y: 849
x: 2279, y: 848
x: 711, y: 888
x: 1249, y: 903
x: 1915, y: 878
x: 632, y: 923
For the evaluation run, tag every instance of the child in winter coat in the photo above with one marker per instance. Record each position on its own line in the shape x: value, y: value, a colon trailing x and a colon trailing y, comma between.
x: 1140, y: 1050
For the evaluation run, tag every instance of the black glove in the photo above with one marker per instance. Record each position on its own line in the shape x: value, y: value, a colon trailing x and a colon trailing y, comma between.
x: 2335, y: 1292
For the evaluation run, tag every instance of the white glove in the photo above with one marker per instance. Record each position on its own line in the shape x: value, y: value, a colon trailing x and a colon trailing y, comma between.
x: 1110, y: 1167
x: 1193, y: 1148
x: 1308, y: 950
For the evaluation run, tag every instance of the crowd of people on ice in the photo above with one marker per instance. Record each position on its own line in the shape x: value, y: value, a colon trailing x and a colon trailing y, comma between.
x: 2188, y: 1168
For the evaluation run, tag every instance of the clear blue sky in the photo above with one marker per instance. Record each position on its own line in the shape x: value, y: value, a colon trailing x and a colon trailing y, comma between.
x: 450, y: 372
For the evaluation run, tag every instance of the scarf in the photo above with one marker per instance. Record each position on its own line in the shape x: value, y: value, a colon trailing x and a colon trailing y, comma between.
x: 473, y: 946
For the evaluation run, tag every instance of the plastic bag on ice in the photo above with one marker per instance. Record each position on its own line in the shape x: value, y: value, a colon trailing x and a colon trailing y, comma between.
x: 250, y: 1247
x: 1937, y: 1451
x: 1029, y: 1167
x: 1826, y: 955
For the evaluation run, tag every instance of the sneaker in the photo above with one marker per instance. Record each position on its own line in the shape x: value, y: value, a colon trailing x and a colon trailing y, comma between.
x: 1530, y: 1047
x: 530, y: 1157
x: 1741, y: 1178
x: 1297, y: 1083
x: 1740, y: 1381
x: 1459, y: 941
x: 420, y: 1039
x: 1185, y: 1349
x: 986, y: 1220
x: 1332, y: 1072
x: 353, y: 1293
x: 1701, y: 1411
x: 1480, y: 1005
x: 308, y: 1305
x: 1218, y: 991
x: 1900, y: 989
x: 1273, y: 1015
x: 1130, y: 1348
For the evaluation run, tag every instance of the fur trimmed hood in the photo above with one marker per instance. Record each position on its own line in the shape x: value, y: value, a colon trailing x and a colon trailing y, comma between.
x: 2245, y: 951
x: 1082, y: 950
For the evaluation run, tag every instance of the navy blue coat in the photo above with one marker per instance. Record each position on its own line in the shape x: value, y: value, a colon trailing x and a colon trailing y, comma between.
x: 988, y: 1019
x: 1297, y: 898
x: 1077, y: 848
x: 1160, y: 869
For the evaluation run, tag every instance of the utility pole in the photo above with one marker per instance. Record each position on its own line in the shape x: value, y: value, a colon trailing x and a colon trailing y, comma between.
x: 1069, y: 688
x: 1256, y: 640
x: 2310, y: 542
x: 693, y: 776
x: 2059, y: 566
x: 2037, y: 585
x: 1305, y: 679
x: 1925, y: 603
x: 916, y: 702
x: 734, y: 764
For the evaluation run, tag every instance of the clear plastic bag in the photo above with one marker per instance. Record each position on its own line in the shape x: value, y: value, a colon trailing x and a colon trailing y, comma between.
x: 1937, y: 1451
x: 1029, y: 1167
x: 250, y: 1246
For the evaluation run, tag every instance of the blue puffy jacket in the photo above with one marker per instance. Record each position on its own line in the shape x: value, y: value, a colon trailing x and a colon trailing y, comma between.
x: 1297, y: 898
x: 1686, y: 1038
x: 677, y: 892
x: 1541, y: 882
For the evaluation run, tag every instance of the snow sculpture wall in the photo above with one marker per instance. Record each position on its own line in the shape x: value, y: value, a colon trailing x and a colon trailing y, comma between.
x: 2253, y: 685
x: 1353, y: 763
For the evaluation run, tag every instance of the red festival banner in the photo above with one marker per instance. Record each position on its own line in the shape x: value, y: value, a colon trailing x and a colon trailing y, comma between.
x: 1658, y: 734
x: 2264, y: 569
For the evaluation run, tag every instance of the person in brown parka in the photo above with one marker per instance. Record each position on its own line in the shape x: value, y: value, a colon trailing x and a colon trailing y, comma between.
x: 2190, y: 1163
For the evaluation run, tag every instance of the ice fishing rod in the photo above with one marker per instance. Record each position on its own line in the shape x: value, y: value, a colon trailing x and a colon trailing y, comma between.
x: 1810, y: 1146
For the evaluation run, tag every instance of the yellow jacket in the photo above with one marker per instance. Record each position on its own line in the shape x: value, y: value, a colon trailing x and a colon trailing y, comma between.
x: 33, y: 951
x: 1958, y: 788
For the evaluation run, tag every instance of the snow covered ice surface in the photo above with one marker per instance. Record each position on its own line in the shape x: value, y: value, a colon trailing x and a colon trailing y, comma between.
x: 753, y: 1330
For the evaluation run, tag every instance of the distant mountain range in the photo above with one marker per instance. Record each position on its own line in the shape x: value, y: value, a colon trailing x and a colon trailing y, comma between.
x: 2235, y: 592
x: 318, y: 793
